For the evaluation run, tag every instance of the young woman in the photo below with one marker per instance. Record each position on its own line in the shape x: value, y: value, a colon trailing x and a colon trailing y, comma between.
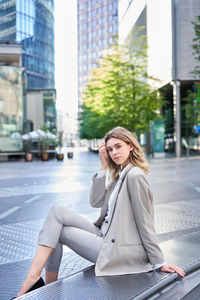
x: 123, y: 239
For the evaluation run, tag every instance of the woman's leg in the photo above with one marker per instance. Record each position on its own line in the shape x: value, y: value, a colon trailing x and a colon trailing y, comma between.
x: 53, y: 264
x: 48, y: 239
x: 50, y: 276
x: 84, y: 243
x: 68, y: 236
x: 59, y: 216
x: 40, y: 259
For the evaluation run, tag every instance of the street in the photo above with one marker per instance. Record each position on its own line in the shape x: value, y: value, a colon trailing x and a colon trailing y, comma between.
x: 28, y: 190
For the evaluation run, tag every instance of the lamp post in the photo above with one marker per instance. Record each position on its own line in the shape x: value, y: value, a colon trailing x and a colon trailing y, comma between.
x: 1, y: 116
x: 175, y: 81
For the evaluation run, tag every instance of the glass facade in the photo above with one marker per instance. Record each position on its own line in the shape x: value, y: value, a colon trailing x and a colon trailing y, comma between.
x: 12, y: 83
x: 49, y: 110
x: 97, y: 29
x: 31, y: 23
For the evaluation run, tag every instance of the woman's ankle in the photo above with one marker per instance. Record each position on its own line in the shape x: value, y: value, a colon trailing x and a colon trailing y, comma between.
x: 50, y: 276
x: 30, y: 280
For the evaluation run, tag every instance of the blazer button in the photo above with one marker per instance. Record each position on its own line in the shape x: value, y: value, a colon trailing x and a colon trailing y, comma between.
x: 113, y: 240
x: 106, y: 222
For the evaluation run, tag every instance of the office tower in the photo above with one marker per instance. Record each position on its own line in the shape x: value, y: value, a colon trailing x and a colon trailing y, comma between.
x: 97, y: 28
x: 31, y: 23
x: 169, y: 33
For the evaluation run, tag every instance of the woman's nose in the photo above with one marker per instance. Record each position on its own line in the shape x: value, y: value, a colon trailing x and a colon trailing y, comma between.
x: 114, y: 151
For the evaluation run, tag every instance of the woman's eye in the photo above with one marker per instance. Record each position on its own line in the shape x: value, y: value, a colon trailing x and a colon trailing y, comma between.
x: 109, y: 150
x: 118, y: 146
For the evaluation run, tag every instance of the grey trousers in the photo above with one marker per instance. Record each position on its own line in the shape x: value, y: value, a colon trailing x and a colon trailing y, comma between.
x: 65, y: 227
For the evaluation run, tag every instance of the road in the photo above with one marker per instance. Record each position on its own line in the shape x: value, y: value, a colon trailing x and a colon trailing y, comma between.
x: 27, y: 190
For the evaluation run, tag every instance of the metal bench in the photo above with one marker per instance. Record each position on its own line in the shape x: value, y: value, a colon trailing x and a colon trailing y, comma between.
x: 183, y: 251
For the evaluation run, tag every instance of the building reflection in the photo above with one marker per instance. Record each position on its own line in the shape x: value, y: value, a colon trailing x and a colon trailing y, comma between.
x: 11, y: 107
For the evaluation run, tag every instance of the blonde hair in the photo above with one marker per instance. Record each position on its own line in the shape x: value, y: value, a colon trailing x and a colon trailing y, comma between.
x: 137, y: 157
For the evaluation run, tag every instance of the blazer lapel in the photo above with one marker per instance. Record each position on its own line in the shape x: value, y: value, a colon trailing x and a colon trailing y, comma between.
x: 114, y: 202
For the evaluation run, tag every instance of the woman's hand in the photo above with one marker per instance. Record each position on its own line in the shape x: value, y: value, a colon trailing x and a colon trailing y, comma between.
x: 103, y: 156
x: 172, y: 269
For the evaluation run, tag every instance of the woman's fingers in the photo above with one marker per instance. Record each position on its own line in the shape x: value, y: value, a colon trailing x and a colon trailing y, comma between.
x: 178, y: 271
x: 173, y: 269
x: 102, y: 149
x: 103, y: 155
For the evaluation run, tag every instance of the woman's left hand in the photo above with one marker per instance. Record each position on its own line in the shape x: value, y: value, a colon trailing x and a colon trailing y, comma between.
x: 172, y: 269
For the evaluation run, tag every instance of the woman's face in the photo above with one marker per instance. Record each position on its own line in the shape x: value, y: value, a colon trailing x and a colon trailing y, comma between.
x: 119, y: 151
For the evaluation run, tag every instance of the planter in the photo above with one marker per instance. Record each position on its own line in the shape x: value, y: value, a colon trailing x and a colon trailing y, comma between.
x: 45, y: 156
x: 28, y: 157
x: 70, y: 154
x: 60, y: 156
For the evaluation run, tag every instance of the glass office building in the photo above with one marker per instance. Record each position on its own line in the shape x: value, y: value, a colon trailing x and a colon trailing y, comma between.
x: 31, y: 23
x: 97, y: 29
x: 12, y: 81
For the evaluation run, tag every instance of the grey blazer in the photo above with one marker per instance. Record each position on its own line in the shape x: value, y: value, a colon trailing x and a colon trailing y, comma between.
x: 130, y: 242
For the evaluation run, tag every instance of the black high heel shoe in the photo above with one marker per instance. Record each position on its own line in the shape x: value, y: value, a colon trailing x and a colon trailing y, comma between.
x: 37, y: 285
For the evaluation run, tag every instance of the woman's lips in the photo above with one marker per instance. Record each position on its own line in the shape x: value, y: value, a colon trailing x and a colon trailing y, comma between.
x: 116, y: 158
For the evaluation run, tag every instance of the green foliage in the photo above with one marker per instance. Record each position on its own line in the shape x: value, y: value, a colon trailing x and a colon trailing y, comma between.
x: 190, y: 112
x: 117, y: 93
x: 196, y: 46
x: 45, y: 142
x: 44, y: 128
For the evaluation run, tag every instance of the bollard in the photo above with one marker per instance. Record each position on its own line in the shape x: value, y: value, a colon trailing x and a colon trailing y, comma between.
x: 70, y: 154
x: 28, y: 156
x: 60, y: 156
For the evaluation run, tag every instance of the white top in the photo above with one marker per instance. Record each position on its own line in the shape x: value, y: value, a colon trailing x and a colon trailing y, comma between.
x: 101, y: 173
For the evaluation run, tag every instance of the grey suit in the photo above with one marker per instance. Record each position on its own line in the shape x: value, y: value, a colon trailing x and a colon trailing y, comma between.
x: 130, y: 243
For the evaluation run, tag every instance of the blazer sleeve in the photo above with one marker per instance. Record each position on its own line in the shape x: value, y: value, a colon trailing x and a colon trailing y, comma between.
x: 143, y: 211
x: 97, y: 191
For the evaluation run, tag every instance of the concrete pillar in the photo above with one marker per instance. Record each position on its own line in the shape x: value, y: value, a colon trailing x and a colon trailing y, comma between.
x: 175, y: 76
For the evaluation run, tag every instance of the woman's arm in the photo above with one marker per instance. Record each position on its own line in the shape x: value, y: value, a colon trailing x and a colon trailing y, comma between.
x: 97, y: 191
x: 142, y: 206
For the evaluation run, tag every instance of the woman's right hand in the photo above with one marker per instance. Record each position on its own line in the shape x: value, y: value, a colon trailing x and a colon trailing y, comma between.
x: 103, y: 156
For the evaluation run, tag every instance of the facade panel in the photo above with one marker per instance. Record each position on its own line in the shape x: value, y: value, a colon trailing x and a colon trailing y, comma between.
x: 41, y: 108
x: 185, y: 14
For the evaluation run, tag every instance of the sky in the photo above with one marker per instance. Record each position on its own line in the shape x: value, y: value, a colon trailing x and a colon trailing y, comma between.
x: 66, y: 55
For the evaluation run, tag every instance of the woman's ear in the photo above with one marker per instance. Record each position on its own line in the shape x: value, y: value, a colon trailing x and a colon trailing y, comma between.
x: 131, y: 147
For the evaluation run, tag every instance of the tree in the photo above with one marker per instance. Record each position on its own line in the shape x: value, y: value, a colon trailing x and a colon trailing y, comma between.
x: 196, y: 46
x: 190, y: 112
x: 118, y: 93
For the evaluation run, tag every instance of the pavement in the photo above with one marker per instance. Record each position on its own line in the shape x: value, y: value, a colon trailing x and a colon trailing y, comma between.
x: 28, y: 190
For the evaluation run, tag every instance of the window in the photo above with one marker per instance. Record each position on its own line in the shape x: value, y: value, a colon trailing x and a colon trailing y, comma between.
x: 100, y: 43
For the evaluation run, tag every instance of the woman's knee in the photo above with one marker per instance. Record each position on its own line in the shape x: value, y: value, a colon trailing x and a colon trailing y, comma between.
x: 56, y: 210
